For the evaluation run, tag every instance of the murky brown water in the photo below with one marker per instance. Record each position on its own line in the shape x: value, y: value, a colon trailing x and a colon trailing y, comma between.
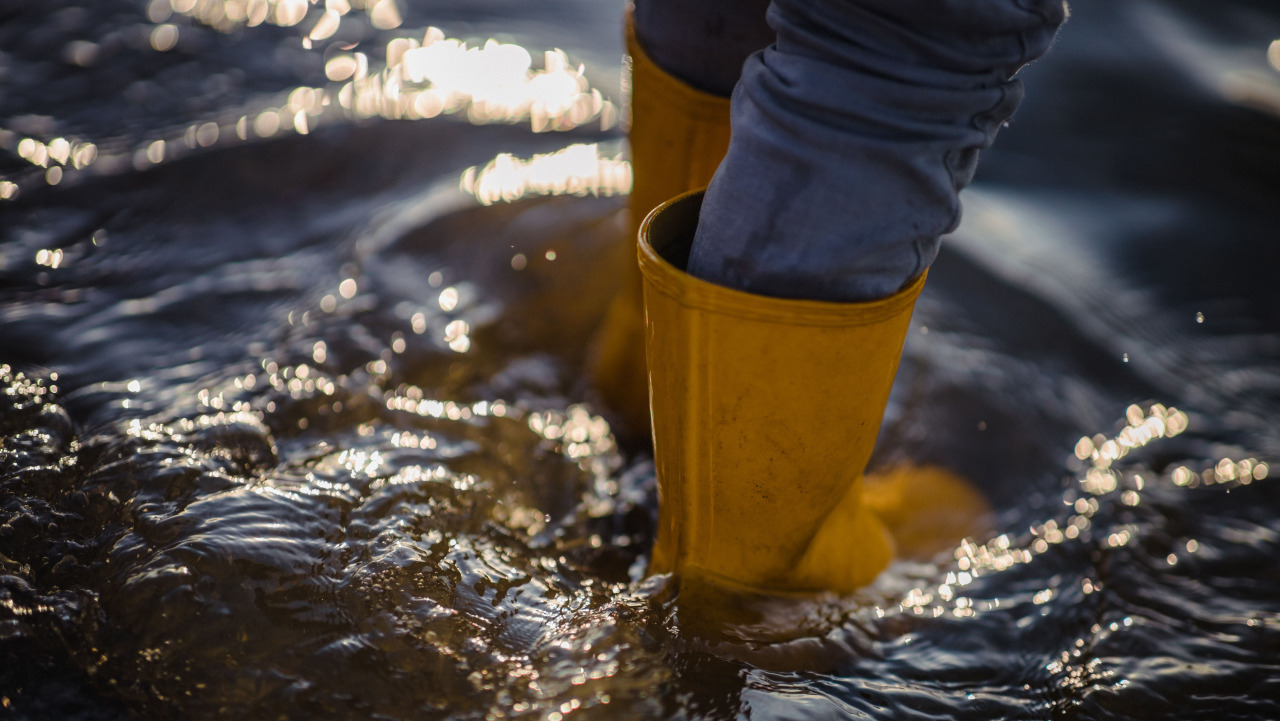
x: 295, y: 427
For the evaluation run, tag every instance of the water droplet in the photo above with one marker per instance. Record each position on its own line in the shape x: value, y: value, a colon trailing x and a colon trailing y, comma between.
x: 164, y: 37
x: 207, y: 134
x: 448, y: 299
x: 155, y: 151
x: 385, y: 15
x: 267, y: 123
x: 159, y: 10
x: 455, y: 334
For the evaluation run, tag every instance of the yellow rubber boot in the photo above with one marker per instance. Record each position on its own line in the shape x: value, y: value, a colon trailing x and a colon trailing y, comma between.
x: 678, y: 136
x: 765, y: 413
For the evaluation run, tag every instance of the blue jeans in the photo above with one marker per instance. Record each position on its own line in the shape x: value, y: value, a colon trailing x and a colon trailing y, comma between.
x: 852, y: 136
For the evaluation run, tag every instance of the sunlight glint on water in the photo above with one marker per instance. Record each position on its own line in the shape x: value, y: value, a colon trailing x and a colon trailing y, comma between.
x: 494, y: 83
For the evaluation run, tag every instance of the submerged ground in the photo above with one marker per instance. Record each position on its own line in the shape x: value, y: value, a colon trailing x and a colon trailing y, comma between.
x: 295, y: 423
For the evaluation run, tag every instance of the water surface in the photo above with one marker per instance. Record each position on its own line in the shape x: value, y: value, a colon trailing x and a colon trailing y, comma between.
x: 295, y: 425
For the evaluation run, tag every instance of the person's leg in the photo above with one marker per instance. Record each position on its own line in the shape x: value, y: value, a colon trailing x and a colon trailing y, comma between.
x: 702, y: 42
x: 684, y: 58
x: 852, y: 137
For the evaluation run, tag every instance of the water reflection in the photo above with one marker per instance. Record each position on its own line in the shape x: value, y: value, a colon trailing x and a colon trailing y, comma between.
x: 423, y: 76
x: 164, y: 37
x: 228, y: 15
x: 1244, y: 78
x: 51, y: 158
x: 576, y: 170
x: 333, y: 517
x: 493, y: 83
x: 1100, y: 482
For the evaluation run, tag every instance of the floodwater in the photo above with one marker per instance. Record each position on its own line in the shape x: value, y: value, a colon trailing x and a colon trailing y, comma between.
x: 294, y: 310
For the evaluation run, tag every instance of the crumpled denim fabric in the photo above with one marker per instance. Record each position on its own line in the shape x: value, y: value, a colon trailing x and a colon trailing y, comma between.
x: 702, y: 42
x: 852, y: 136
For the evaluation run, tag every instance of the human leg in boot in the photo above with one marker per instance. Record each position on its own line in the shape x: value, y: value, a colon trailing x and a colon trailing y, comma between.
x: 774, y: 330
x: 685, y: 58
